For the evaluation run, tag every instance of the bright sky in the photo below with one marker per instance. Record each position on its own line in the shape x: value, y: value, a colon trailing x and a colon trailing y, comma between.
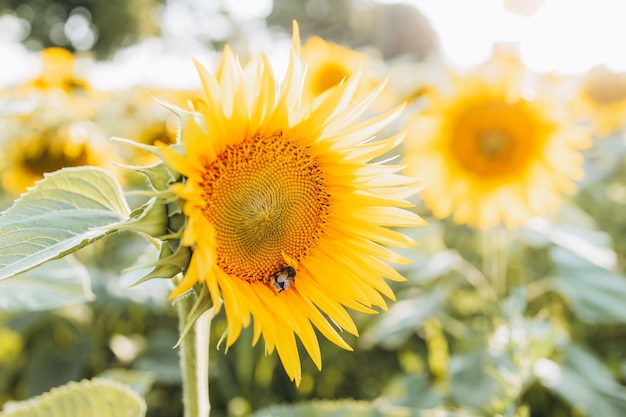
x: 568, y: 36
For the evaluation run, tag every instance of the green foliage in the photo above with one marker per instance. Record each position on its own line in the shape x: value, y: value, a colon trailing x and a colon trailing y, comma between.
x: 55, y: 284
x: 139, y: 381
x: 64, y: 212
x: 507, y: 347
x: 96, y: 398
x: 586, y: 383
x: 395, y: 328
x: 344, y: 408
x: 595, y: 294
x: 351, y: 408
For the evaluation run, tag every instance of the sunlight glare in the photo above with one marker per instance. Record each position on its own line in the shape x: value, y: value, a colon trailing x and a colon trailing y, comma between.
x: 567, y: 36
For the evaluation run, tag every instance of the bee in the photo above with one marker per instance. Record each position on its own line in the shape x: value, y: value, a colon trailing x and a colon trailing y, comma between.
x: 283, y: 278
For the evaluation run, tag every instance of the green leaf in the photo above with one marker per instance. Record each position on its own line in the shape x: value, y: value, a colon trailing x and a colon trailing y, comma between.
x: 139, y: 381
x: 403, y: 320
x: 65, y: 211
x: 427, y: 267
x: 596, y: 295
x: 605, y: 157
x: 472, y: 377
x: 342, y: 408
x: 58, y: 283
x: 413, y: 391
x: 584, y: 381
x: 159, y: 175
x: 94, y: 398
x: 352, y: 408
x: 575, y: 231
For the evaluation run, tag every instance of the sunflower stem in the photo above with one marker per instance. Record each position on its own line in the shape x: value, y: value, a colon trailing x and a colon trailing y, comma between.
x: 494, y: 242
x: 194, y: 358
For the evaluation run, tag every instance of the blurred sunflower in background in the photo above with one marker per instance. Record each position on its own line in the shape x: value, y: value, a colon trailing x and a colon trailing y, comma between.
x: 329, y: 64
x: 57, y: 73
x: 63, y: 83
x: 490, y: 153
x: 286, y: 215
x: 39, y: 145
x: 58, y: 127
x: 602, y: 99
x: 140, y: 114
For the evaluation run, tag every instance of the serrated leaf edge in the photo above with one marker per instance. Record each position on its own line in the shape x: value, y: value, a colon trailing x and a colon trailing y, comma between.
x: 12, y: 408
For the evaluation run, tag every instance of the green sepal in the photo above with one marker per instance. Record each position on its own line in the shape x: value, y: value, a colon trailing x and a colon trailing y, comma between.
x: 176, y: 222
x: 170, y: 263
x: 155, y: 150
x: 159, y: 175
x: 181, y: 113
x: 201, y: 306
x: 149, y: 219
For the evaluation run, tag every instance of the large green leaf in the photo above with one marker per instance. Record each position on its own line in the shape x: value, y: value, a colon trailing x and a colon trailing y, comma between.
x: 55, y: 284
x: 65, y: 211
x: 472, y: 378
x: 94, y: 398
x: 584, y: 382
x: 403, y: 319
x: 138, y: 381
x: 414, y: 391
x: 595, y: 294
x: 576, y: 231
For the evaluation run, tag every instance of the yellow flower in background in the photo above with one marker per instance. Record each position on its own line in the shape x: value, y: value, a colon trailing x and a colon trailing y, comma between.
x: 137, y: 114
x: 37, y: 148
x: 57, y: 126
x: 59, y: 84
x: 603, y: 100
x: 58, y: 72
x: 489, y: 154
x: 286, y: 215
x: 328, y: 64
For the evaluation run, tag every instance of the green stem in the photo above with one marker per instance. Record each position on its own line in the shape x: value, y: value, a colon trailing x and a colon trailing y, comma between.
x: 194, y: 358
x: 494, y: 245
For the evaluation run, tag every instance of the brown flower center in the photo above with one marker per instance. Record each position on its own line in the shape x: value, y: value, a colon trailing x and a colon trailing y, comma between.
x: 494, y: 139
x: 52, y: 153
x: 266, y: 198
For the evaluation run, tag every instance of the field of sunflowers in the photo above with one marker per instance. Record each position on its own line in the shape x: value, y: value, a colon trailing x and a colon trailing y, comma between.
x: 310, y: 208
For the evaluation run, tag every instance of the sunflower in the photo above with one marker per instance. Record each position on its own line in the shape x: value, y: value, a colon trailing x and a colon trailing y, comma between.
x: 136, y: 114
x: 490, y: 154
x: 39, y: 146
x: 286, y: 215
x: 328, y: 64
x: 58, y: 72
x: 60, y: 84
x: 603, y: 99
